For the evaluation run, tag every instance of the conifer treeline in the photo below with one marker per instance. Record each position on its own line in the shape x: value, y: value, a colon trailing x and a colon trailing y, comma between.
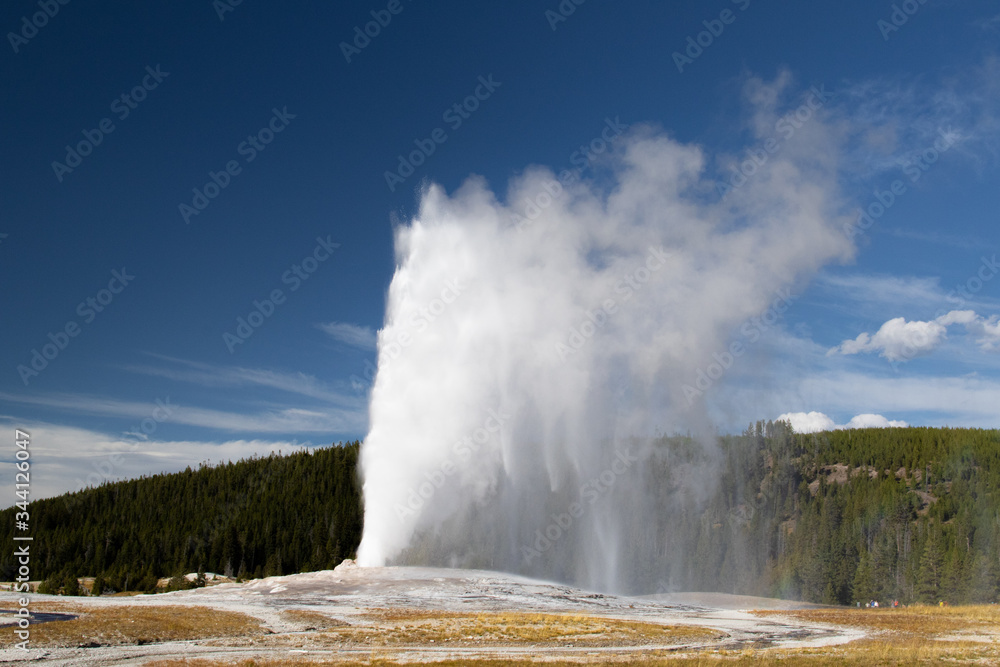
x: 257, y: 517
x: 911, y: 514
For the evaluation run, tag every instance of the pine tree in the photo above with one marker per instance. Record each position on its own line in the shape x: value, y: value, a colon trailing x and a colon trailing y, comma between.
x: 71, y: 585
x: 931, y: 574
x: 863, y: 588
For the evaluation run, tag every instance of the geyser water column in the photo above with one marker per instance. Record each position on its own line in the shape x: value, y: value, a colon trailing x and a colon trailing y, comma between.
x: 519, y: 355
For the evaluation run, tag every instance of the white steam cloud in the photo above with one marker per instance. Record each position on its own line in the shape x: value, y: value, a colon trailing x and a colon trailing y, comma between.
x: 520, y: 356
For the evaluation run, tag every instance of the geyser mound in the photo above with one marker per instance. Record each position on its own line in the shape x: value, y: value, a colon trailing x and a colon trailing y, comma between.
x: 531, y: 346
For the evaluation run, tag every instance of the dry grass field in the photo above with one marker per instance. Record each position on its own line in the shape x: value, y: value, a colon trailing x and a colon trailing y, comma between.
x: 132, y: 625
x: 385, y: 628
x: 909, y: 636
x: 410, y: 616
x: 917, y: 620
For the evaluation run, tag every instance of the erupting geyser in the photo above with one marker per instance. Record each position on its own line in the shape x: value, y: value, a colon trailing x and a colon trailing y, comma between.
x: 531, y: 343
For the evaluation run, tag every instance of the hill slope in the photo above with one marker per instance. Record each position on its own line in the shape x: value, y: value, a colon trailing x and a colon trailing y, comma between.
x: 257, y: 517
x: 844, y: 516
x: 839, y: 517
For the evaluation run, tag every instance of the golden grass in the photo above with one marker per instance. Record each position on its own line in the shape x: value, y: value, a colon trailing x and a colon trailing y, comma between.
x: 888, y: 645
x: 918, y: 620
x: 910, y: 636
x: 920, y: 634
x: 408, y: 614
x: 136, y: 625
x: 56, y: 605
x: 402, y: 628
x: 505, y: 628
x: 314, y: 620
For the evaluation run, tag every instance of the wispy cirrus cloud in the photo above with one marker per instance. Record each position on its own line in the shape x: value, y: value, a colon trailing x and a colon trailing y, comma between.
x: 968, y: 400
x: 989, y: 23
x: 350, y: 334
x: 870, y: 295
x: 894, y: 120
x: 278, y: 420
x: 211, y: 375
x: 883, y: 289
x: 74, y: 458
x: 941, y: 238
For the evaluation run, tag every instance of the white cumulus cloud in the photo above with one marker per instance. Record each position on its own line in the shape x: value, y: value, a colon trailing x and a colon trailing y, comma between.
x: 897, y: 340
x: 813, y: 422
x: 808, y: 422
x: 869, y: 420
x: 987, y: 332
x: 901, y: 340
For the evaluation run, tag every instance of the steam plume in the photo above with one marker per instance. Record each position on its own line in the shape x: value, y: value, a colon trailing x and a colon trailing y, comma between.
x: 528, y: 342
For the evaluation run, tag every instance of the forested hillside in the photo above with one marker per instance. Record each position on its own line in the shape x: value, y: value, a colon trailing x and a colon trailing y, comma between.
x: 253, y: 518
x: 910, y: 514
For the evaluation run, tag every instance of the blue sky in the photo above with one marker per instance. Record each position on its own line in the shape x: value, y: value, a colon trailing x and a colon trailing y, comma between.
x: 287, y: 136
